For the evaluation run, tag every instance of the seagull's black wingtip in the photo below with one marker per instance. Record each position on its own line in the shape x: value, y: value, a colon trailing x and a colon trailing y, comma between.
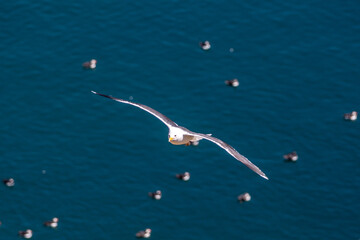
x: 103, y: 95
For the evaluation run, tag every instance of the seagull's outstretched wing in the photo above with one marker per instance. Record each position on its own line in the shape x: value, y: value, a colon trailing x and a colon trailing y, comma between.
x: 231, y: 151
x: 160, y: 116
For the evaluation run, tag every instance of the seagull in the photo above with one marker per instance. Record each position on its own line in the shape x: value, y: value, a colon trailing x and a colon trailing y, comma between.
x: 179, y: 135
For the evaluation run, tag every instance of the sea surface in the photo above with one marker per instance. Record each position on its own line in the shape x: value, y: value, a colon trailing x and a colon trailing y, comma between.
x: 91, y: 161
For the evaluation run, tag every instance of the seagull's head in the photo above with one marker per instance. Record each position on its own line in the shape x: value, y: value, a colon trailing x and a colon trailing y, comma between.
x: 175, y: 135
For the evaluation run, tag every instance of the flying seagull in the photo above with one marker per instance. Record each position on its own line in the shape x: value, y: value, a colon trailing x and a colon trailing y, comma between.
x: 179, y: 135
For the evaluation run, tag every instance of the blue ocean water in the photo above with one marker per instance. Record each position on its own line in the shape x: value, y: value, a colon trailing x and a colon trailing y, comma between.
x: 298, y: 67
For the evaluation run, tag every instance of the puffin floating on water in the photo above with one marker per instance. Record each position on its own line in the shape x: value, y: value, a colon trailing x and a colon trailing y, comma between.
x: 351, y: 116
x: 90, y: 65
x: 26, y: 234
x: 232, y: 83
x: 205, y: 45
x: 156, y: 195
x: 183, y: 176
x: 53, y: 223
x: 9, y: 182
x: 144, y: 233
x: 292, y: 157
x: 245, y: 197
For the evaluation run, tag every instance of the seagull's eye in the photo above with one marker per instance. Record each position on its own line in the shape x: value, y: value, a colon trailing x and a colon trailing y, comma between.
x: 174, y: 135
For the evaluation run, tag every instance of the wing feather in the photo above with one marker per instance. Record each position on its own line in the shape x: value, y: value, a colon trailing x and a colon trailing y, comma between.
x: 232, y: 152
x: 167, y: 121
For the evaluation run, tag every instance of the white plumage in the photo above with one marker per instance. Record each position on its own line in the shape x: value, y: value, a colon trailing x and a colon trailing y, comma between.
x: 179, y: 135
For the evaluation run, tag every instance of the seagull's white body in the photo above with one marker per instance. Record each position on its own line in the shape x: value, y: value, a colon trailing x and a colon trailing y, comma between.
x: 179, y: 135
x: 176, y: 134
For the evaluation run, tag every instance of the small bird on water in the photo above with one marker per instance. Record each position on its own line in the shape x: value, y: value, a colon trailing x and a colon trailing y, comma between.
x: 245, y: 197
x: 156, y: 195
x: 351, y: 116
x: 9, y: 182
x: 26, y: 234
x: 144, y: 233
x: 291, y: 157
x: 205, y: 45
x: 179, y: 135
x: 90, y: 65
x: 53, y: 223
x: 183, y: 176
x: 232, y: 83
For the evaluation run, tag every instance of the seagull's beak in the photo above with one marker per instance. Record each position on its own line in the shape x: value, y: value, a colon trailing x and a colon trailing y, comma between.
x: 170, y: 139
